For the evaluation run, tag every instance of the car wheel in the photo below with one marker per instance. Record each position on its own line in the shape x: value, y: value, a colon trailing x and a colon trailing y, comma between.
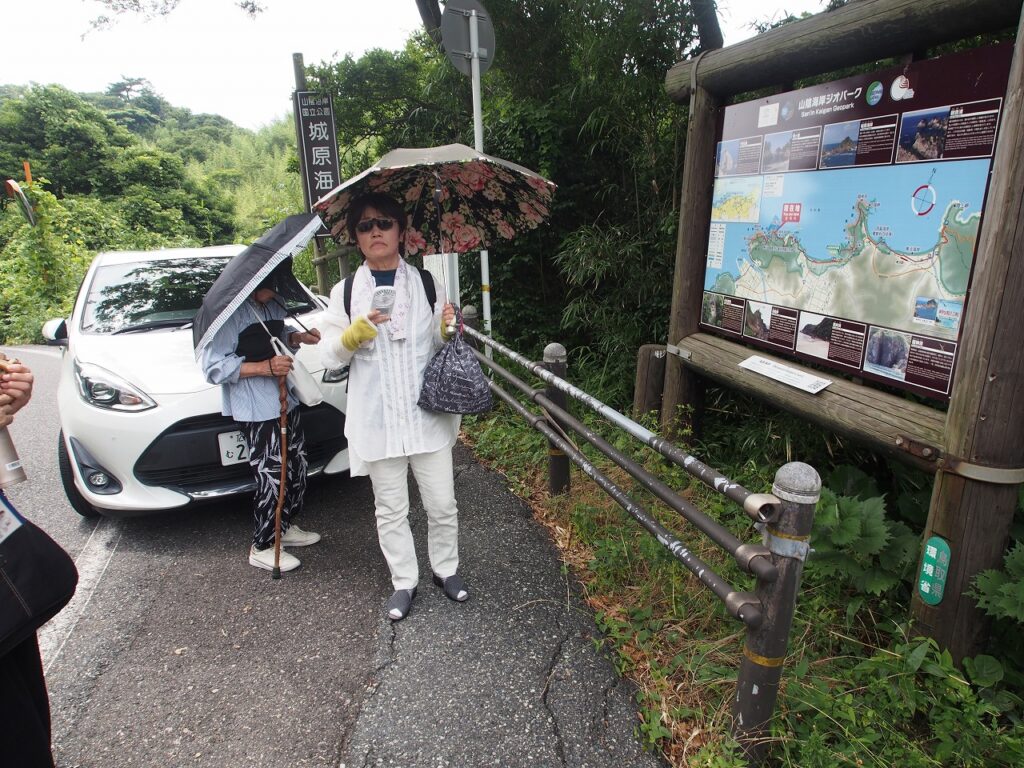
x: 67, y: 479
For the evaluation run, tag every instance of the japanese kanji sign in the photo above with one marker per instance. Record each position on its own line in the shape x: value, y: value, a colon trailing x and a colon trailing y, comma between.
x: 931, y: 581
x: 314, y: 117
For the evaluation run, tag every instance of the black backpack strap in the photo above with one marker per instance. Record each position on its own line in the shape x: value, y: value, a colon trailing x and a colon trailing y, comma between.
x: 428, y: 287
x: 425, y: 277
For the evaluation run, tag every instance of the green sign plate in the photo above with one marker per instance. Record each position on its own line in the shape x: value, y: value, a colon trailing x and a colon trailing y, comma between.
x: 931, y: 581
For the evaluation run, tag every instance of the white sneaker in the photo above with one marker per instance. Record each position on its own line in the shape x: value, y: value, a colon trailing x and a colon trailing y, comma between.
x: 296, y: 537
x: 264, y: 558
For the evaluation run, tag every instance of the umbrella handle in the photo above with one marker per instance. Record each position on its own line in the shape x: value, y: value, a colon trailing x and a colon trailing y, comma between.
x: 283, y: 397
x: 457, y: 321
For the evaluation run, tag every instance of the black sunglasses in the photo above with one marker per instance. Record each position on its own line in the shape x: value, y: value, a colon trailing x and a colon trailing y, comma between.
x: 366, y: 225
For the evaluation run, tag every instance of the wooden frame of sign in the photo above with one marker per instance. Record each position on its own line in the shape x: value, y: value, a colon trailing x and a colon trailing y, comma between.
x: 975, y: 450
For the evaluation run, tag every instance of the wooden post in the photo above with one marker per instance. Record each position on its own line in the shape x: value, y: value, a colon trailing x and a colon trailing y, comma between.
x: 985, y: 420
x: 870, y: 30
x: 650, y: 379
x: 319, y: 263
x: 682, y: 387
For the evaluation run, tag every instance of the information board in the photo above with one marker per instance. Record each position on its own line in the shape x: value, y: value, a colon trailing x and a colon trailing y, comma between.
x: 846, y: 216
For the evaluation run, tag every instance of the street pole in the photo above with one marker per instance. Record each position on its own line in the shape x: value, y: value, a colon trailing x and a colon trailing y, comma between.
x: 478, y: 138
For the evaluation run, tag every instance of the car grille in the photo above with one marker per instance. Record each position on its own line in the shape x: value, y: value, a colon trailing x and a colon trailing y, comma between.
x: 186, y: 456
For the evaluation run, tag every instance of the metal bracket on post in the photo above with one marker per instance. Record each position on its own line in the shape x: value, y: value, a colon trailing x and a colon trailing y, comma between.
x: 784, y: 546
x: 674, y: 350
x: 979, y: 472
x: 955, y: 465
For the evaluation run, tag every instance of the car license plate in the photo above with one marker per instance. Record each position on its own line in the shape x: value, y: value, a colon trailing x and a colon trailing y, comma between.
x: 233, y: 448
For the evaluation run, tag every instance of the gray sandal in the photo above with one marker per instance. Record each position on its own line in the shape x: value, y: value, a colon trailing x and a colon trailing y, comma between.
x: 398, y: 604
x: 454, y: 587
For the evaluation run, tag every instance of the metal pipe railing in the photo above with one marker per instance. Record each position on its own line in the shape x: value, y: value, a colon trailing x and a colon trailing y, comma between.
x: 761, y: 507
x: 785, y: 520
x: 742, y: 605
x: 752, y: 558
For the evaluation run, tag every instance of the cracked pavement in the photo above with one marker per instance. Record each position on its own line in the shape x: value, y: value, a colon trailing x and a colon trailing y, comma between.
x: 179, y: 653
x: 511, y: 678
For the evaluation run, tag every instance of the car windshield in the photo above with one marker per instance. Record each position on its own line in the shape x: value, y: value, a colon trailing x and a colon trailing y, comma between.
x: 142, y: 295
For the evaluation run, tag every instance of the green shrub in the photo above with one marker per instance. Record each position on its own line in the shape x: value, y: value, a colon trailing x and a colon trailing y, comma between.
x: 854, y: 539
x: 1001, y: 593
x: 907, y: 706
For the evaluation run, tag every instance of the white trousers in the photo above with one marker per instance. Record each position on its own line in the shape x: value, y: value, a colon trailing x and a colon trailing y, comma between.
x: 436, y: 481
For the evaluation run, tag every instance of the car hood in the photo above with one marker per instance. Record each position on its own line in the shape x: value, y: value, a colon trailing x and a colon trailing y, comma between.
x: 157, y: 362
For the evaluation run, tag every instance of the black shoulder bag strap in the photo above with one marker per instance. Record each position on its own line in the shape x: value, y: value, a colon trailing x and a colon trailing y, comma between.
x: 347, y: 298
x: 428, y: 287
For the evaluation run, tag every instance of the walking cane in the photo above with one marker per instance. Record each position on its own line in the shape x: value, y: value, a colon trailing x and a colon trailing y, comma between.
x: 283, y: 395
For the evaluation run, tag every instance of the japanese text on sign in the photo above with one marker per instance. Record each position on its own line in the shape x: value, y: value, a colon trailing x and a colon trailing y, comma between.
x: 314, y: 114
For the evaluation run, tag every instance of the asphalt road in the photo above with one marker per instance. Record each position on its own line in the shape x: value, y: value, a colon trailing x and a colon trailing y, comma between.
x: 176, y: 652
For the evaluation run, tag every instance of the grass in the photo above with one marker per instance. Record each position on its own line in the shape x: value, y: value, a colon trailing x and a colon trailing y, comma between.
x: 858, y: 688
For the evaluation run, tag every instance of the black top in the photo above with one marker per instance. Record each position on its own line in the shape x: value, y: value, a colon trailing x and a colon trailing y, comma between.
x: 383, y: 277
x: 254, y: 342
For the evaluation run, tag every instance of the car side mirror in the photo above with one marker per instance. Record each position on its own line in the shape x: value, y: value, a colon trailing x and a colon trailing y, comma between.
x: 55, y: 332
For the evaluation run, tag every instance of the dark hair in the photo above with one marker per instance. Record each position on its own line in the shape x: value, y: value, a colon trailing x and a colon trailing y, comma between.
x: 276, y: 277
x: 385, y: 204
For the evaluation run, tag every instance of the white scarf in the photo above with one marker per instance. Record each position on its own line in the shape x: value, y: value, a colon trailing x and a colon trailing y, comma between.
x: 362, y: 296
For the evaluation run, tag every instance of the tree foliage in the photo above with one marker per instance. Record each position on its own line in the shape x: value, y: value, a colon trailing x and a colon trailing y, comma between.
x: 82, y: 151
x: 41, y: 266
x: 575, y: 93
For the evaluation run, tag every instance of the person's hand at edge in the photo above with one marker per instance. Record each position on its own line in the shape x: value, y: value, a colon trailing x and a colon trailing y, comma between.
x: 312, y: 336
x: 16, y: 381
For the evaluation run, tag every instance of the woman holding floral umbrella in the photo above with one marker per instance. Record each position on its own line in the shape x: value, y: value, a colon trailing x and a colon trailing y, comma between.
x: 387, y: 350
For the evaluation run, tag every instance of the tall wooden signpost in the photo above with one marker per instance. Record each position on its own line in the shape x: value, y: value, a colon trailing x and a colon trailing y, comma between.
x: 976, y: 490
x: 318, y: 158
x: 944, y: 336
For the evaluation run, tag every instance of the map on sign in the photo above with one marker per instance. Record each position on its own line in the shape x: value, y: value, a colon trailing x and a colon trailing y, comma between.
x: 736, y: 199
x: 845, y: 217
x: 891, y: 246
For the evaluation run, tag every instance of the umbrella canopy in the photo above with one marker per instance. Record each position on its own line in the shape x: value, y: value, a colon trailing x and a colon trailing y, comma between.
x: 251, y: 267
x: 458, y: 199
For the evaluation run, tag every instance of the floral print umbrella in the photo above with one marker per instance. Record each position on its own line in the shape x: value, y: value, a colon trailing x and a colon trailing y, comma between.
x: 458, y: 199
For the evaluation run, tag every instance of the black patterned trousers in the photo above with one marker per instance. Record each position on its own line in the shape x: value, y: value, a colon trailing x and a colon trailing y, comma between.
x: 264, y: 441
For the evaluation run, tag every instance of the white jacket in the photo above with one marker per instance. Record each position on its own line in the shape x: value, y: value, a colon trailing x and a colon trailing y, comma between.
x: 383, y: 420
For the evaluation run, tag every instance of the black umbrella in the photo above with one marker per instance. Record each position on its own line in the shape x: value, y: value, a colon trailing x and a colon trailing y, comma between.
x: 250, y: 268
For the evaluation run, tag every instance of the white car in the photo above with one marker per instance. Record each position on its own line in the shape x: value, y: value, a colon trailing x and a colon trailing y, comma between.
x: 141, y: 429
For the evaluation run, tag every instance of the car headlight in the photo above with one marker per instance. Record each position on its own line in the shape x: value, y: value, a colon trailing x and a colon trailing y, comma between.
x: 336, y: 375
x: 103, y: 389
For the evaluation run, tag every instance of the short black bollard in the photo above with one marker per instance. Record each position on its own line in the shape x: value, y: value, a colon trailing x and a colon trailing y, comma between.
x: 764, y: 652
x: 471, y: 319
x: 556, y: 361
